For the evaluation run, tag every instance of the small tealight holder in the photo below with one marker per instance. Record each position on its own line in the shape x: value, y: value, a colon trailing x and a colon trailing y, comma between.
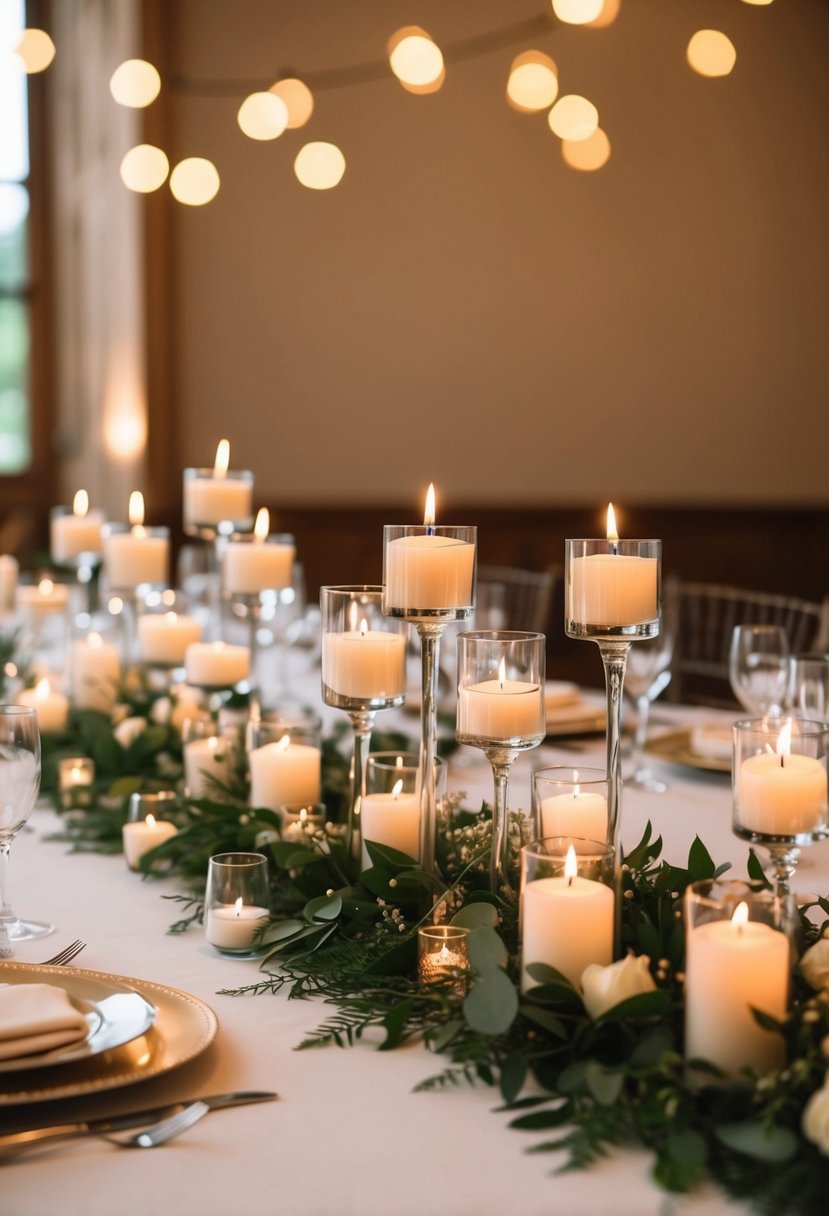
x: 75, y: 541
x: 76, y: 777
x: 567, y: 910
x: 209, y: 755
x: 570, y: 802
x: 779, y: 788
x: 216, y: 668
x: 146, y: 825
x: 236, y: 902
x: 165, y: 628
x: 738, y: 957
x: 285, y: 761
x: 443, y: 956
x: 302, y: 820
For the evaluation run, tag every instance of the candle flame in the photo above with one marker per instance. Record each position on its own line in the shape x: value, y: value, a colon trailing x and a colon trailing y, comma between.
x: 784, y: 741
x: 576, y: 791
x: 363, y: 627
x: 740, y: 916
x: 263, y: 524
x: 443, y: 954
x: 284, y: 743
x: 95, y: 641
x: 150, y: 821
x: 136, y: 509
x: 571, y: 867
x: 429, y: 513
x: 80, y: 503
x: 222, y: 461
x: 303, y: 814
x: 397, y: 788
x: 42, y: 689
x: 45, y: 587
x: 238, y: 906
x: 502, y: 672
x: 352, y: 616
x: 171, y: 617
x: 612, y: 533
x: 398, y: 762
x: 75, y: 774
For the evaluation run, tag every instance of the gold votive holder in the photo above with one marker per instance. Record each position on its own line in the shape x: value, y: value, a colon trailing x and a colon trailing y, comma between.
x: 76, y: 777
x: 443, y: 955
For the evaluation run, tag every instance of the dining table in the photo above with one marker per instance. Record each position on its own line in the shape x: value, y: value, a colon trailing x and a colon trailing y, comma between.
x: 349, y: 1134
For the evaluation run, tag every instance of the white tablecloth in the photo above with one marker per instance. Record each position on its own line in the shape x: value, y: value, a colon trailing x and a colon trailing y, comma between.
x: 348, y: 1136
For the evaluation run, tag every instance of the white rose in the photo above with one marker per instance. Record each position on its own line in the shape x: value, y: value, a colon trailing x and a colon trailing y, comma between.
x: 161, y: 710
x: 815, y: 1121
x: 187, y: 705
x: 604, y: 987
x: 815, y: 964
x: 119, y: 714
x: 128, y: 730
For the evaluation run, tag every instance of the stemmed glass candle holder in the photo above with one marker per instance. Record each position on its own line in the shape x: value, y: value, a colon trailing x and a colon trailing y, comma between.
x: 429, y: 581
x: 165, y: 629
x: 501, y: 710
x: 236, y: 902
x: 217, y: 503
x: 780, y: 790
x: 19, y: 786
x: 216, y: 668
x: 570, y: 802
x: 363, y: 670
x: 134, y: 556
x: 76, y: 541
x: 613, y: 596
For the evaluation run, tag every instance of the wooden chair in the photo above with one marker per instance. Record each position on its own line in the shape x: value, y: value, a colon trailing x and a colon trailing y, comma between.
x: 706, y: 616
x: 509, y: 598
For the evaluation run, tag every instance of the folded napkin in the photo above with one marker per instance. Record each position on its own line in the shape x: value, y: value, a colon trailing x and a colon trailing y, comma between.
x: 713, y: 742
x: 36, y: 1018
x: 558, y: 694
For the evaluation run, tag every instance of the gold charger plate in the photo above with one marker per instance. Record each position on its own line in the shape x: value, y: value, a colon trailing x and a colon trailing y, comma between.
x: 576, y: 720
x: 184, y: 1027
x: 675, y: 748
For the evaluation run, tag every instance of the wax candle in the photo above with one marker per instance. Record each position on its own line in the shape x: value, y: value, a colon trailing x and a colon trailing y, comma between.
x: 217, y: 496
x: 262, y: 563
x: 566, y: 922
x: 364, y: 663
x: 234, y: 926
x: 731, y: 967
x: 296, y: 824
x: 94, y: 671
x: 612, y: 588
x: 392, y: 819
x: 780, y: 794
x: 443, y: 954
x: 46, y: 598
x: 76, y: 532
x: 501, y: 709
x: 216, y: 664
x: 284, y: 772
x: 142, y: 835
x: 138, y: 555
x: 52, y: 707
x: 163, y: 637
x: 206, y: 761
x: 76, y: 775
x: 580, y: 814
x: 427, y: 570
x: 8, y: 581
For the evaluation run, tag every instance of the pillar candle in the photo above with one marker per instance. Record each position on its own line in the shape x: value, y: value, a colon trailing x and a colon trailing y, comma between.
x: 251, y: 566
x: 163, y: 637
x: 782, y: 795
x: 142, y: 835
x: 8, y: 581
x: 392, y: 819
x: 94, y: 671
x: 52, y: 707
x: 566, y: 923
x: 364, y: 663
x: 283, y: 772
x: 501, y: 709
x: 206, y: 761
x: 76, y: 532
x: 429, y: 572
x: 612, y: 589
x: 219, y: 495
x: 135, y: 557
x: 234, y: 926
x: 216, y: 664
x: 576, y: 814
x: 44, y: 599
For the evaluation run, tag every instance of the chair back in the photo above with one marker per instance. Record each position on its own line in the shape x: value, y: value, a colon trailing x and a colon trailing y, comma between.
x: 510, y: 598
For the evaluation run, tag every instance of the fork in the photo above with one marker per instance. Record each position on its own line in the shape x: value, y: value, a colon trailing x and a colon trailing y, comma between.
x: 65, y: 955
x: 161, y: 1132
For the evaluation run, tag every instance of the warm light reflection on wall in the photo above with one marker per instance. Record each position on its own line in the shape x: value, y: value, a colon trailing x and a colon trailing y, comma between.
x: 533, y: 82
x: 711, y: 53
x: 609, y: 13
x: 144, y: 168
x: 135, y: 83
x: 757, y: 2
x: 298, y: 98
x: 587, y: 154
x: 36, y: 50
x: 263, y: 116
x: 194, y: 181
x: 125, y: 427
x: 573, y: 117
x: 416, y: 60
x: 319, y: 166
x: 577, y: 12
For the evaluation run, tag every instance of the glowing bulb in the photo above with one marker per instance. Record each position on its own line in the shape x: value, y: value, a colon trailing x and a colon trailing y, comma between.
x: 263, y: 523
x: 429, y: 512
x: 397, y: 788
x: 222, y: 462
x: 416, y: 60
x: 573, y: 118
x: 711, y: 53
x: 135, y: 512
x: 609, y: 13
x: 612, y: 532
x: 80, y: 503
x: 571, y: 867
x: 319, y: 166
x: 263, y: 116
x: 194, y: 181
x: 532, y: 83
x: 144, y: 168
x: 36, y: 50
x: 587, y: 154
x: 298, y: 99
x: 135, y: 83
x: 740, y: 916
x: 577, y: 12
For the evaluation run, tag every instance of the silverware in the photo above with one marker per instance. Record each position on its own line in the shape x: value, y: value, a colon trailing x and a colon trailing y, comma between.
x: 33, y: 1137
x: 65, y: 955
x: 161, y: 1132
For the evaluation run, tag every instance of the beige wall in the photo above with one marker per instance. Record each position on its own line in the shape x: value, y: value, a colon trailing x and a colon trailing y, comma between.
x: 467, y: 309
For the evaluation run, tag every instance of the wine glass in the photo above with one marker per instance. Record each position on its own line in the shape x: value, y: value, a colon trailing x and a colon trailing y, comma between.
x: 19, y: 786
x: 809, y: 686
x: 648, y: 675
x: 758, y: 668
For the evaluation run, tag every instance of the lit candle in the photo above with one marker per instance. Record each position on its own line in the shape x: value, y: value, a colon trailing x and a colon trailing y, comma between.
x: 234, y: 926
x: 566, y: 922
x: 284, y: 772
x: 731, y: 967
x: 364, y: 663
x: 575, y: 814
x: 262, y: 563
x: 216, y: 664
x: 136, y: 556
x: 612, y: 588
x: 163, y: 637
x: 501, y: 709
x: 780, y: 794
x: 94, y: 671
x: 221, y: 497
x: 72, y: 534
x: 296, y: 824
x: 47, y: 598
x: 427, y: 571
x: 205, y: 762
x: 392, y: 819
x: 442, y: 954
x: 52, y: 707
x: 8, y: 581
x: 142, y: 835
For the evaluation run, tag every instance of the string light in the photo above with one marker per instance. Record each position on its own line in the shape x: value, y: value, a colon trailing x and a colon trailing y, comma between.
x: 144, y: 169
x: 36, y: 50
x: 298, y: 99
x: 262, y: 116
x: 577, y: 12
x: 416, y: 60
x: 587, y: 154
x: 532, y: 83
x: 711, y: 53
x: 194, y: 181
x: 135, y: 83
x: 573, y: 118
x: 319, y: 166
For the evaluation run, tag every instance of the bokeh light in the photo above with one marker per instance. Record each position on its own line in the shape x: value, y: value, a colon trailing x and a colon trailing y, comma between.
x: 36, y: 50
x: 298, y: 98
x: 533, y: 82
x: 263, y: 116
x: 610, y: 11
x: 135, y: 83
x: 587, y: 154
x: 194, y: 181
x: 319, y: 166
x: 144, y: 168
x: 416, y: 60
x: 577, y: 12
x: 711, y: 53
x: 573, y: 117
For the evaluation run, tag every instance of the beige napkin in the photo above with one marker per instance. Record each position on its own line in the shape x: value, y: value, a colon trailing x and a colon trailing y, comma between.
x: 36, y: 1018
x: 559, y: 694
x: 712, y: 742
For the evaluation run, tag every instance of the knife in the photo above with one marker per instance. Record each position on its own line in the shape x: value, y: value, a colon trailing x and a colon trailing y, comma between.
x: 64, y: 1131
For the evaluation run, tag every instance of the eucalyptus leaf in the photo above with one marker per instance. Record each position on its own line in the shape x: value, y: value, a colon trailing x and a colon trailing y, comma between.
x: 441, y: 1036
x: 543, y: 973
x: 486, y: 950
x: 700, y: 862
x: 491, y: 1004
x: 387, y: 859
x: 281, y: 930
x: 768, y: 1144
x: 605, y: 1084
x: 324, y: 907
x: 476, y: 915
x: 544, y: 1120
x: 513, y: 1075
x: 644, y: 1004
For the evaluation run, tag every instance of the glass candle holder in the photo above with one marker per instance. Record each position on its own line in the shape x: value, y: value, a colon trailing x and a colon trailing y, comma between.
x: 567, y: 913
x: 443, y: 955
x: 390, y: 807
x: 216, y: 666
x: 285, y: 760
x: 135, y: 556
x: 216, y: 502
x: 779, y: 788
x: 501, y: 710
x: 570, y: 802
x: 76, y: 777
x: 301, y: 820
x: 808, y: 693
x: 738, y: 957
x: 165, y: 628
x: 236, y: 902
x: 75, y: 541
x: 146, y: 825
x: 210, y: 756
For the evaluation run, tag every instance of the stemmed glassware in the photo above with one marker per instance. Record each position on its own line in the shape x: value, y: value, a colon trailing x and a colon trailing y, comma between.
x: 19, y: 786
x: 363, y: 670
x: 808, y: 695
x: 758, y: 668
x: 501, y: 711
x: 648, y: 675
